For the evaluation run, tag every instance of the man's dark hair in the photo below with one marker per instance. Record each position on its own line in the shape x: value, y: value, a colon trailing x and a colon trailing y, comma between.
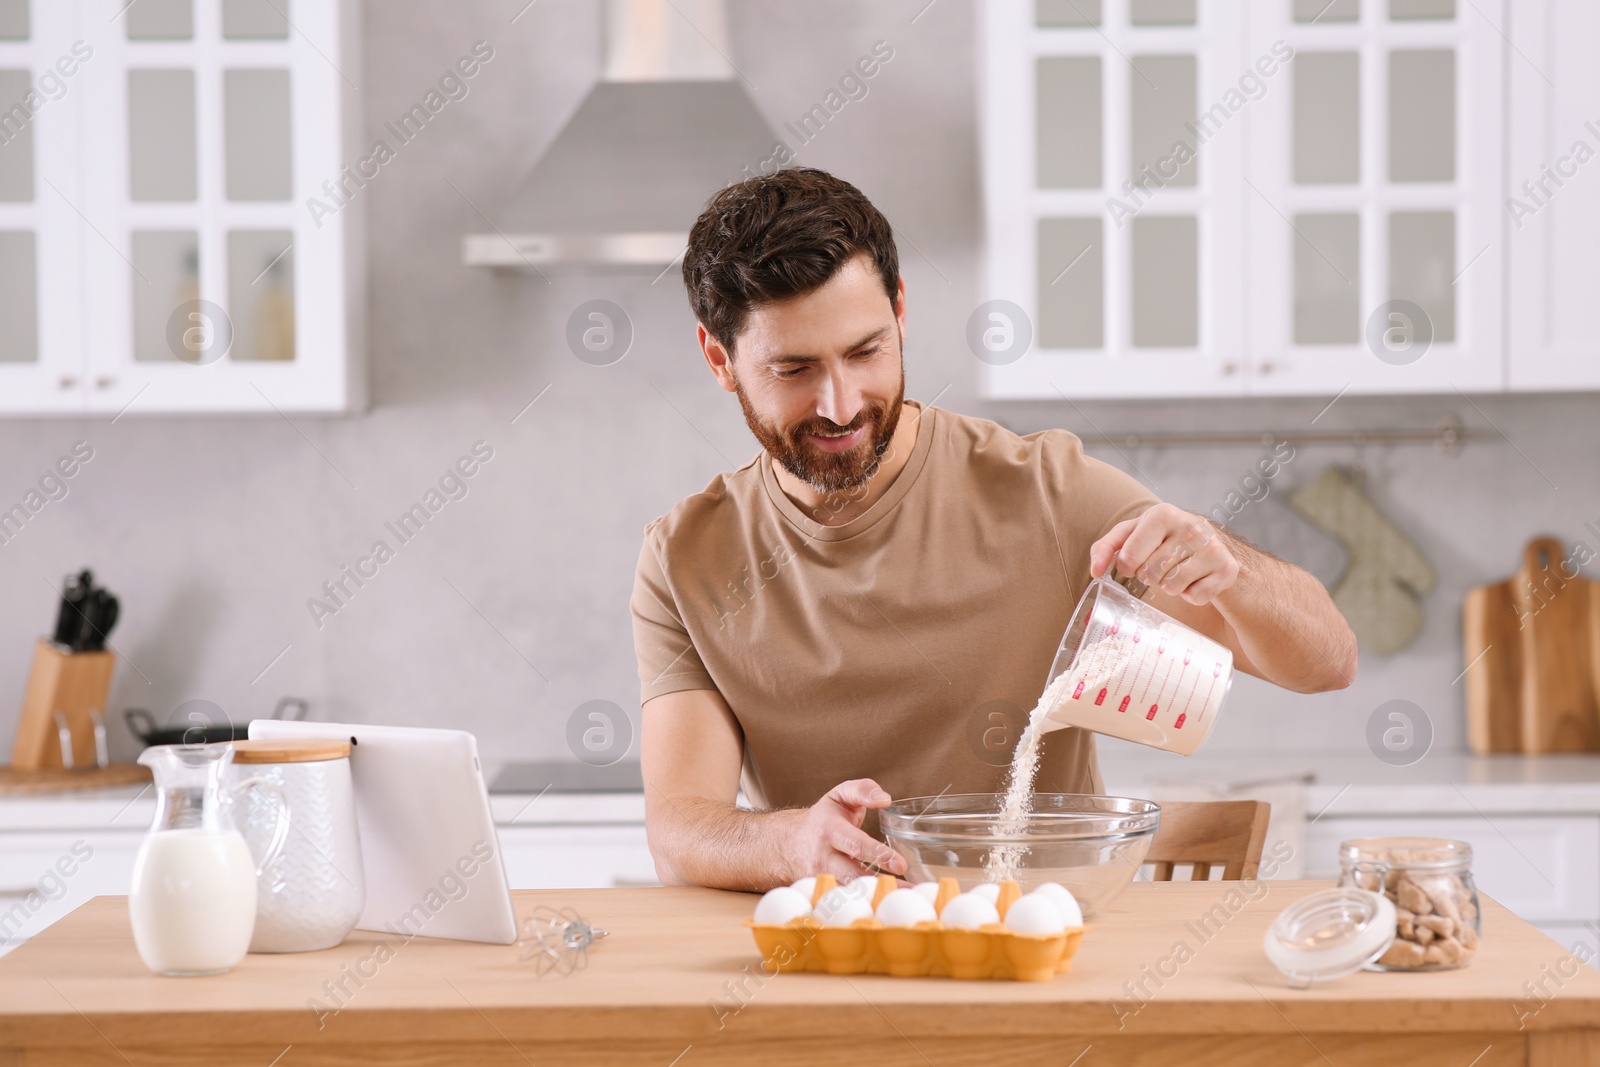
x: 777, y: 236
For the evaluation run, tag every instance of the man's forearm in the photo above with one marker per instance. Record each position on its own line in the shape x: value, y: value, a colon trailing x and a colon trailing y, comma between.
x: 1286, y: 623
x: 700, y: 841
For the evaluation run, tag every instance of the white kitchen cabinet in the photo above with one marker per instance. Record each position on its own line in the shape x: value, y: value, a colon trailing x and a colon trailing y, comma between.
x: 1343, y: 205
x: 35, y: 891
x: 589, y: 840
x: 179, y: 230
x: 1579, y: 939
x: 574, y: 857
x: 1552, y: 206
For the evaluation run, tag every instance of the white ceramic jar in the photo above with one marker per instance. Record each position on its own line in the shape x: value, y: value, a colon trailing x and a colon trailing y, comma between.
x: 312, y: 893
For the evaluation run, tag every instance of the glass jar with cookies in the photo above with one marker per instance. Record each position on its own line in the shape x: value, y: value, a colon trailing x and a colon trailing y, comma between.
x: 1429, y: 880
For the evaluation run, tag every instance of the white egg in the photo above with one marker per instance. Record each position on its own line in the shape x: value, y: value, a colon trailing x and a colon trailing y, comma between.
x: 1066, y: 903
x: 838, y: 908
x: 861, y: 888
x: 1034, y: 913
x: 968, y: 912
x: 807, y: 886
x: 989, y: 891
x: 780, y: 905
x: 927, y: 889
x: 904, y: 907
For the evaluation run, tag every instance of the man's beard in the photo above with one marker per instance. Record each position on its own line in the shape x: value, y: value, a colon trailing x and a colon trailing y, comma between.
x: 830, y: 472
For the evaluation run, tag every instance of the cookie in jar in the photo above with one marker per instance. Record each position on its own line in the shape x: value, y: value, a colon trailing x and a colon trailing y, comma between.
x: 1429, y: 881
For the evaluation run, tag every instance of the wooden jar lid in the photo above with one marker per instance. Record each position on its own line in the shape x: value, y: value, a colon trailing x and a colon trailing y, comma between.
x: 290, y: 750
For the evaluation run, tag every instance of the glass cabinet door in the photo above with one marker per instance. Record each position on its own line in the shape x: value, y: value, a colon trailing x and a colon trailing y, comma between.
x: 1285, y: 197
x: 216, y: 124
x: 1117, y: 239
x: 41, y: 355
x: 1375, y: 200
x: 159, y: 245
x: 196, y: 304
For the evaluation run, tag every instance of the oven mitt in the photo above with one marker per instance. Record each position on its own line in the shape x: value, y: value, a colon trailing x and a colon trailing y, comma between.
x: 1380, y: 591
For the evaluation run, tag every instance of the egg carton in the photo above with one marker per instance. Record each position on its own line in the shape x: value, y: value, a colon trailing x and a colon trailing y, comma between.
x: 867, y: 946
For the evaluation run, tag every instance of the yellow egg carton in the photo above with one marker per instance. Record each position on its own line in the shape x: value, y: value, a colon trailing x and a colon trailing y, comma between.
x: 867, y: 946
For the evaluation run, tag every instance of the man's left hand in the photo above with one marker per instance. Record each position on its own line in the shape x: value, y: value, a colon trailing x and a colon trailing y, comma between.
x: 1173, y: 550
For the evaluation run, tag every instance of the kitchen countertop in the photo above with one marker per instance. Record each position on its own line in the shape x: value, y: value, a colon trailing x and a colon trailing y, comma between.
x: 134, y: 808
x: 1439, y: 784
x: 679, y: 974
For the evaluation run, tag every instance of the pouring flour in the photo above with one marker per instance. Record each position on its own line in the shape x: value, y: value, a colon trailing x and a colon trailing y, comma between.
x: 1123, y: 669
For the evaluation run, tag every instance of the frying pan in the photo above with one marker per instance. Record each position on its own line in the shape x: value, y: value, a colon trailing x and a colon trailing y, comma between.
x: 143, y: 726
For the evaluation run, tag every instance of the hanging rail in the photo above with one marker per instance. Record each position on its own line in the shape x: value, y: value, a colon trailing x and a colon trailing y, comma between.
x: 1448, y: 435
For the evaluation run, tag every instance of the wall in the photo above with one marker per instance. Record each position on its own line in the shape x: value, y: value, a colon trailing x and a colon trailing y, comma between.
x: 510, y: 608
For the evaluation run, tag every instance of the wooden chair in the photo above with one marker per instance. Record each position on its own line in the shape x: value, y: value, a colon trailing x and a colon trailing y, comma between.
x: 1230, y: 833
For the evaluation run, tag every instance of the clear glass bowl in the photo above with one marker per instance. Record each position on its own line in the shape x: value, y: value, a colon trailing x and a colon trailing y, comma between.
x: 1091, y: 844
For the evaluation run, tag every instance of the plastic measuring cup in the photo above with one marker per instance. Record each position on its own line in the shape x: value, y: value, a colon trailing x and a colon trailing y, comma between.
x: 1127, y: 670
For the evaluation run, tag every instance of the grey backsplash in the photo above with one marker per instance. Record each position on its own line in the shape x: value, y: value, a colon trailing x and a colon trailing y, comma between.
x: 510, y: 608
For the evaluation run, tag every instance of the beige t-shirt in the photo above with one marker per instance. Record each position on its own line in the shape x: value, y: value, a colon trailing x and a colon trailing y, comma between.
x: 907, y: 645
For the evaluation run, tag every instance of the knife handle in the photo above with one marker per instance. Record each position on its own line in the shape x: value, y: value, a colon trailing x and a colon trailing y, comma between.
x: 96, y: 610
x: 108, y: 618
x: 69, y: 616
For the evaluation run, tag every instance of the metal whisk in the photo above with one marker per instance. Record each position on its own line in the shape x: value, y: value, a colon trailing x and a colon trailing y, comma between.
x: 557, y: 939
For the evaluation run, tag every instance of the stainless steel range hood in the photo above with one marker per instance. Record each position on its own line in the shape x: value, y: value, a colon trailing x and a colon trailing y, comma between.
x: 667, y: 126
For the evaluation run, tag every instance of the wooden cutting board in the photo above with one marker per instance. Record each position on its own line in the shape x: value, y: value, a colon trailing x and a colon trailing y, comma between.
x: 1559, y: 713
x: 1532, y: 645
x: 1493, y: 654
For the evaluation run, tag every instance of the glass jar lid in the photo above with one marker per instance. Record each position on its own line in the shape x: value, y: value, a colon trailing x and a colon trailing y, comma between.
x: 1410, y: 853
x: 1330, y: 934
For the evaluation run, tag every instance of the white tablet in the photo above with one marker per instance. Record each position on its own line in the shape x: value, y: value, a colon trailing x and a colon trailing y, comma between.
x: 428, y: 842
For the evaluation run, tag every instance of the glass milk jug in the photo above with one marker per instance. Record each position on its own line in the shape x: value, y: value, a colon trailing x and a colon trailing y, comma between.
x: 193, y: 897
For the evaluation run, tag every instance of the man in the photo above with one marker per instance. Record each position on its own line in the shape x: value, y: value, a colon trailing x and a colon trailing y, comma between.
x: 841, y: 619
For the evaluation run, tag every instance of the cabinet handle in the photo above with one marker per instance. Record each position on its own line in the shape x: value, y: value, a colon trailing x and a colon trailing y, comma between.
x: 104, y: 382
x: 1268, y: 367
x: 66, y: 381
x: 1230, y: 368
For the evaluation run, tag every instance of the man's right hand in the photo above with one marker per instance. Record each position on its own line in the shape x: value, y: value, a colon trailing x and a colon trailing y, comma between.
x: 691, y: 750
x: 828, y: 835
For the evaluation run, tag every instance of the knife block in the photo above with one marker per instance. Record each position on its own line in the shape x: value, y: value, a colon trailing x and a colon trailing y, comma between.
x: 73, y: 683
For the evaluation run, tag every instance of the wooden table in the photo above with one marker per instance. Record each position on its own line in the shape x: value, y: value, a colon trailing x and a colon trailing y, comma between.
x: 678, y: 982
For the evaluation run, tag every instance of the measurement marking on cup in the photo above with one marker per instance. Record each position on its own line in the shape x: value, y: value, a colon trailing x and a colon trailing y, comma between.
x: 1188, y: 696
x: 1216, y: 670
x: 1138, y: 667
x: 1101, y: 699
x: 1152, y: 713
x: 1124, y: 705
x: 1168, y: 676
